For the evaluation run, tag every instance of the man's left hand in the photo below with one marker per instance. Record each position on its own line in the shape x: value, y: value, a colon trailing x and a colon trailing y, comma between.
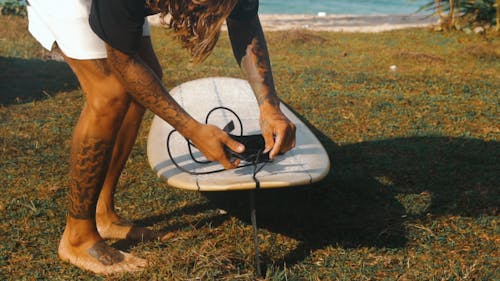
x: 278, y: 131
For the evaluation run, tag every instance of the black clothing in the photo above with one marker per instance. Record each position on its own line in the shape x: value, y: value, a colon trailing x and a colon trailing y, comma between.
x: 245, y: 9
x: 119, y: 22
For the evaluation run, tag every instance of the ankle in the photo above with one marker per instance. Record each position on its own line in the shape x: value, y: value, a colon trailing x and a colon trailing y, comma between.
x: 106, y: 217
x: 79, y: 232
x: 105, y: 209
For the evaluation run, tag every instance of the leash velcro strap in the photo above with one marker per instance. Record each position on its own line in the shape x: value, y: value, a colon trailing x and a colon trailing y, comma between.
x: 253, y: 154
x: 254, y: 147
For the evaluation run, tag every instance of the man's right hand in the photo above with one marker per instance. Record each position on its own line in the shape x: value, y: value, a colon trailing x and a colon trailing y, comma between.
x: 211, y: 141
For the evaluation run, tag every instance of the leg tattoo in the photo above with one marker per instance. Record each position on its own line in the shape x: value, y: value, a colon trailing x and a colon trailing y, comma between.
x: 88, y: 167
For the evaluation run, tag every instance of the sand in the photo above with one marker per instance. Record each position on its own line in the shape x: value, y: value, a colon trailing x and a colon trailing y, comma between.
x: 345, y: 23
x: 339, y: 23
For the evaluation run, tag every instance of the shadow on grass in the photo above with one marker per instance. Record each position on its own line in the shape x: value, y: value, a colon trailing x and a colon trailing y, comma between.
x: 372, y: 188
x: 349, y: 208
x: 26, y: 80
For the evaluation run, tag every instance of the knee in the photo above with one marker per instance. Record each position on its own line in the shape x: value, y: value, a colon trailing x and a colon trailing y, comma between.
x: 108, y: 101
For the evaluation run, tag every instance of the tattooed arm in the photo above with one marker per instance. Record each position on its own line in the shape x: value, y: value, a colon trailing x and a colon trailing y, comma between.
x: 146, y: 88
x: 250, y: 50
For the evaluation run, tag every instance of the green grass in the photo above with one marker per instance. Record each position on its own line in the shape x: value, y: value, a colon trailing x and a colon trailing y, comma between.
x: 413, y: 192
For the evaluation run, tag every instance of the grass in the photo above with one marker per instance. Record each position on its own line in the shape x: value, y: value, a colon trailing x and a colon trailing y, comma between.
x: 413, y: 192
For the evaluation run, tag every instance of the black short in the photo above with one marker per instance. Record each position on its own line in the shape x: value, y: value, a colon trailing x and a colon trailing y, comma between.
x: 245, y: 9
x: 119, y: 22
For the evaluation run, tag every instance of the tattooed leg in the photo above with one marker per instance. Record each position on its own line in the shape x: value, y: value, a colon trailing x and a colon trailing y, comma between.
x: 88, y: 164
x: 109, y: 224
x: 93, y: 138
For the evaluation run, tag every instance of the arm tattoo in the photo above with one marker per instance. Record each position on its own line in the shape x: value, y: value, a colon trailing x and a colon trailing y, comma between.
x: 256, y: 64
x: 146, y: 88
x: 88, y: 168
x: 250, y: 50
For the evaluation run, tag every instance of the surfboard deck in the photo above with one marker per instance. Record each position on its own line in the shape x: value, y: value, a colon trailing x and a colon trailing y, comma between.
x: 307, y: 163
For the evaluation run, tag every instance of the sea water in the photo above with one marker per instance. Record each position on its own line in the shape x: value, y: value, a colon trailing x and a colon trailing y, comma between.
x: 344, y: 7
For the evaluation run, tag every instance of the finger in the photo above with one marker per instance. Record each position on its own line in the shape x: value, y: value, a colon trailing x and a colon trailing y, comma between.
x: 225, y: 162
x: 235, y: 163
x: 290, y: 140
x: 278, y: 141
x: 233, y: 145
x: 269, y: 140
x: 287, y: 141
x: 294, y: 143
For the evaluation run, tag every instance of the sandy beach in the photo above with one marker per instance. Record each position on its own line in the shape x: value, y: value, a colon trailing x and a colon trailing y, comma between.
x: 339, y: 23
x: 345, y: 23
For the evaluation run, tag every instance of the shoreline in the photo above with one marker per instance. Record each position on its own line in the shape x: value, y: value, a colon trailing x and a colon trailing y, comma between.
x: 338, y: 23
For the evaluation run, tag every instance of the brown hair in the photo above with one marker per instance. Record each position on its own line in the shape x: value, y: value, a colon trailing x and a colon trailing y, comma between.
x: 196, y: 23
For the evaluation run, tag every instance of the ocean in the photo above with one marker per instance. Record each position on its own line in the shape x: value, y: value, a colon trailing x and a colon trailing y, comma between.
x: 338, y: 7
x: 344, y: 7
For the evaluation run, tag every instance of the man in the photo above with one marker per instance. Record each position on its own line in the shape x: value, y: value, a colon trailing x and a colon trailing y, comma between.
x: 107, y: 45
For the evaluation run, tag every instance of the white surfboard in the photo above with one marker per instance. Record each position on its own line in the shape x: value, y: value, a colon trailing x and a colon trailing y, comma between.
x: 307, y: 163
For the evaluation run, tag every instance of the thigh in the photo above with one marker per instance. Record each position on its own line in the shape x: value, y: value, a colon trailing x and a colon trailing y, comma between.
x: 102, y: 89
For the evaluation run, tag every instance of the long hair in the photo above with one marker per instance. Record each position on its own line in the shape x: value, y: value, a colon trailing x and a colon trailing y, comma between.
x: 197, y: 23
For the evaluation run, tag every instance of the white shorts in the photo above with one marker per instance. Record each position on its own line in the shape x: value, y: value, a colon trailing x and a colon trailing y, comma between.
x: 67, y: 23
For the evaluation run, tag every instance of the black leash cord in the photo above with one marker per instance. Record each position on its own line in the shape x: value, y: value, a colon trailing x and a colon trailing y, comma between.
x: 256, y: 169
x: 253, y: 212
x: 197, y: 161
x: 253, y: 216
x: 228, y: 109
x: 190, y: 145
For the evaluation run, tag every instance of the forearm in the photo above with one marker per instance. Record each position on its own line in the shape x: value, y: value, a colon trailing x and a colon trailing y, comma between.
x: 148, y: 90
x: 250, y: 50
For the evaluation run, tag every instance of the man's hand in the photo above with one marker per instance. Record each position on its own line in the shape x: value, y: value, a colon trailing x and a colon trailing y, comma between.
x: 211, y: 141
x: 277, y: 130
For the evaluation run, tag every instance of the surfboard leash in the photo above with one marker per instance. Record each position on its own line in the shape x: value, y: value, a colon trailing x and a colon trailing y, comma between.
x: 253, y: 213
x: 253, y: 217
x: 253, y: 155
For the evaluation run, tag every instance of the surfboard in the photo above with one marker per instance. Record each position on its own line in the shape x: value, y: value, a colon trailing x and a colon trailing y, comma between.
x: 203, y: 99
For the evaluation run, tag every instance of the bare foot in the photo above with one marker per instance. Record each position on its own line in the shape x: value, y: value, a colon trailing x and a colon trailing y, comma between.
x: 98, y: 257
x: 114, y: 227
